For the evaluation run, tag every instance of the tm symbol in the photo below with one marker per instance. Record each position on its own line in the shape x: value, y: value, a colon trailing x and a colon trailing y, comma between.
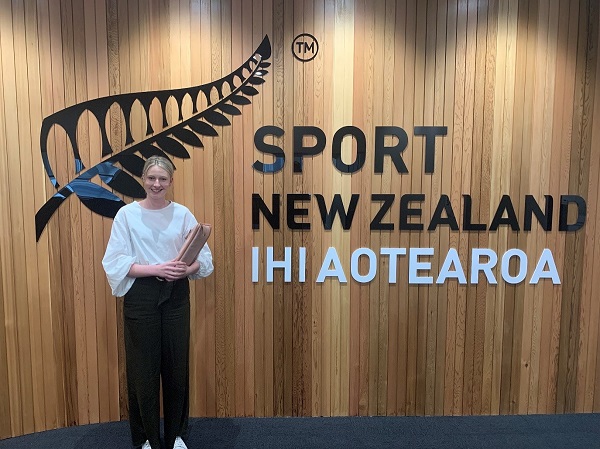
x: 305, y: 47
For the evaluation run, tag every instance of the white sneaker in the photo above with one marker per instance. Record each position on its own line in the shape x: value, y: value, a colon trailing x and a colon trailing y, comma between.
x: 147, y: 445
x: 179, y: 444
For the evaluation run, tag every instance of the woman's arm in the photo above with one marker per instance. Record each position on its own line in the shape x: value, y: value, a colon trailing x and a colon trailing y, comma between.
x: 118, y: 257
x: 203, y: 264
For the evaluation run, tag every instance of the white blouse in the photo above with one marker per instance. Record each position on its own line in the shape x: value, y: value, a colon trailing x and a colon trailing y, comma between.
x: 148, y: 237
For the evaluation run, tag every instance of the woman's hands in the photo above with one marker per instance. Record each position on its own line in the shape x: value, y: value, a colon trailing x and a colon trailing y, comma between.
x: 169, y: 271
x: 172, y: 270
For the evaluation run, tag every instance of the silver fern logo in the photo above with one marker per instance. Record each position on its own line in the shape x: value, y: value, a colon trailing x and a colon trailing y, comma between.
x: 117, y: 171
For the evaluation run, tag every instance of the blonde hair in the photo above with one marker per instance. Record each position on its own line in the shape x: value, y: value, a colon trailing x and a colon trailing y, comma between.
x: 162, y: 162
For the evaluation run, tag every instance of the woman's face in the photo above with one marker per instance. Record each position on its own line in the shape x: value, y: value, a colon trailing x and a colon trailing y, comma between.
x: 156, y: 182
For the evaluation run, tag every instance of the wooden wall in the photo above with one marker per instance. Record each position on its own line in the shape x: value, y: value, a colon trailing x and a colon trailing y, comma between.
x: 517, y: 83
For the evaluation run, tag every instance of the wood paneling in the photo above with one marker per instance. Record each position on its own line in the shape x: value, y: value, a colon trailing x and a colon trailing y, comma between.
x: 516, y: 83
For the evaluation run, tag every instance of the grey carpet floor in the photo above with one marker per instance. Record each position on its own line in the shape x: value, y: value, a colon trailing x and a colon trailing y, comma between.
x: 573, y: 431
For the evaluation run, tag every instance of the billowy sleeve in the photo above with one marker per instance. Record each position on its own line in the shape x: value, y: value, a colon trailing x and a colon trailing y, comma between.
x: 119, y: 257
x: 206, y: 263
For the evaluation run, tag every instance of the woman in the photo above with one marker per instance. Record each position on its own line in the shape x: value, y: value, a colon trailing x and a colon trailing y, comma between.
x: 144, y: 240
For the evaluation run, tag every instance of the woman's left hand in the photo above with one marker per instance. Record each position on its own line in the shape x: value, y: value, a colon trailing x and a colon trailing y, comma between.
x: 193, y: 268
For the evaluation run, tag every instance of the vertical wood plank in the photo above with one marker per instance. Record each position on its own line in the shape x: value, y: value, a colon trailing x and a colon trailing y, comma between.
x: 459, y: 184
x: 386, y: 184
x: 270, y: 187
x: 569, y: 319
x: 543, y: 406
x: 430, y: 187
x: 486, y: 177
x: 116, y: 135
x: 470, y: 183
x: 439, y: 187
x: 37, y: 277
x: 301, y: 93
x: 539, y: 186
x: 592, y: 281
x: 317, y: 324
x: 8, y: 396
x: 376, y: 290
x: 448, y: 291
x: 410, y: 306
x: 210, y: 216
x: 19, y: 350
x: 417, y: 239
x: 584, y: 174
x: 280, y: 67
x: 480, y: 183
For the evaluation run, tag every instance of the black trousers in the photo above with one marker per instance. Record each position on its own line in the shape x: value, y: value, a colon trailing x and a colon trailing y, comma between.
x: 157, y: 343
